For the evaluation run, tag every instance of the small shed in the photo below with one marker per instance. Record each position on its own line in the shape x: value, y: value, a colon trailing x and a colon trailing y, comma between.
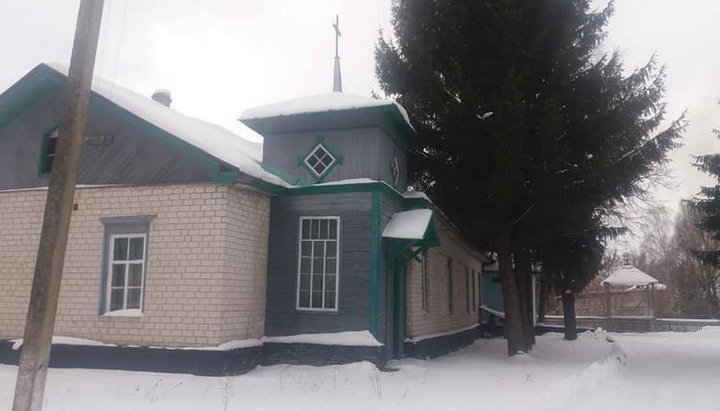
x: 629, y: 277
x: 492, y: 296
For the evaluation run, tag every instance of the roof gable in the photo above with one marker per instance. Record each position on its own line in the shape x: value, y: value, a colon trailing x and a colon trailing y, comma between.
x: 207, y: 139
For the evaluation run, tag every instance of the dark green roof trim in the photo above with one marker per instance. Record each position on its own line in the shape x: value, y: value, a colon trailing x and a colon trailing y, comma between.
x: 358, y: 188
x: 286, y: 177
x: 268, y: 187
x: 38, y: 83
x: 225, y: 176
x: 369, y: 187
x: 405, y: 130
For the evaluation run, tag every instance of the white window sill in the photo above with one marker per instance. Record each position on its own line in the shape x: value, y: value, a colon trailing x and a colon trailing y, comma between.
x: 136, y: 312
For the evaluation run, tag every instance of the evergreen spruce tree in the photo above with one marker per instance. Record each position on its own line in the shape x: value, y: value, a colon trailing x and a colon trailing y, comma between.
x: 708, y: 203
x: 528, y: 132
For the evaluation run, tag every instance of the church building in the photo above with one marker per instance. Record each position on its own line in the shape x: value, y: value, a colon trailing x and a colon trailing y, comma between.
x: 194, y: 250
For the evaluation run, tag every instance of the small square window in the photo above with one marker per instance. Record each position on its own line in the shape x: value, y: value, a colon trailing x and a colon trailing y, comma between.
x: 319, y: 160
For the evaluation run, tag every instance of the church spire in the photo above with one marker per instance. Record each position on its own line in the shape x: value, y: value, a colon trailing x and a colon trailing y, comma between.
x: 337, y: 78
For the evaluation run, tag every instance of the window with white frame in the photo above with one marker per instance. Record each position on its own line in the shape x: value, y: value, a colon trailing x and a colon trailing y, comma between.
x: 126, y: 272
x: 318, y: 263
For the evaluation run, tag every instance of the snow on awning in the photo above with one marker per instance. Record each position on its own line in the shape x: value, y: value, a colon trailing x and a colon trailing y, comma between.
x: 412, y: 231
x: 409, y: 225
x: 628, y: 276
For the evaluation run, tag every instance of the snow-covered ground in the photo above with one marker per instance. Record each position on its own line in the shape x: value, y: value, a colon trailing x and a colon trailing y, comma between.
x: 664, y: 371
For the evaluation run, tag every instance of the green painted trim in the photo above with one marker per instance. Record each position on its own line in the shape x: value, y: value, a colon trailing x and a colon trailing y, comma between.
x: 375, y: 256
x: 406, y: 131
x: 399, y: 306
x: 268, y: 187
x: 42, y: 160
x: 394, y: 195
x: 38, y: 83
x: 288, y: 178
x: 225, y: 176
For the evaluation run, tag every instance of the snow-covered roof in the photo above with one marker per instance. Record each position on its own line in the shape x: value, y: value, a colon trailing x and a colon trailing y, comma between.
x: 207, y: 137
x: 417, y: 194
x: 334, y: 101
x: 408, y: 225
x: 628, y: 276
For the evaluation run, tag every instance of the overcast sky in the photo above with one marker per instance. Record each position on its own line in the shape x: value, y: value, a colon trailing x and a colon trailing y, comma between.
x: 219, y: 57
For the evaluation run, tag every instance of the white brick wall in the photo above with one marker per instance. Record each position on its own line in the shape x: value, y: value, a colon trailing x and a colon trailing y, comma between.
x: 206, y: 268
x: 438, y: 318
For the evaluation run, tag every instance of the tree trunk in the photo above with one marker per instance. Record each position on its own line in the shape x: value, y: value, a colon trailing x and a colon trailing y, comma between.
x: 714, y: 300
x: 544, y: 292
x: 568, y: 302
x: 513, y: 320
x: 523, y: 276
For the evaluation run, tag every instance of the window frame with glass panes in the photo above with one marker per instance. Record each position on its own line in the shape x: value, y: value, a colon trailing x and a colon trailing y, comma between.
x: 320, y: 160
x: 325, y: 240
x: 132, y: 282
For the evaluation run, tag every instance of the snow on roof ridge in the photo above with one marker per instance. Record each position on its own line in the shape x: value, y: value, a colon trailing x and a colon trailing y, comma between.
x: 629, y: 275
x: 210, y: 138
x: 333, y: 101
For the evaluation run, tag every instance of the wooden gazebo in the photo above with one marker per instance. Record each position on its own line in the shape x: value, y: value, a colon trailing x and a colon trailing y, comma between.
x: 629, y: 277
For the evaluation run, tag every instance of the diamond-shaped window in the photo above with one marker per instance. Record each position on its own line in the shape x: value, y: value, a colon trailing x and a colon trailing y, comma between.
x: 319, y: 160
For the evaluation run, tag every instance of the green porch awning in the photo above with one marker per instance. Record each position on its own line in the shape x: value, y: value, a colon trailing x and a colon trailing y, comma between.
x: 412, y: 231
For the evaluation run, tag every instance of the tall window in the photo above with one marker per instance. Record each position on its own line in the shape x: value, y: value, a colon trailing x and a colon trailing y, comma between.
x: 467, y: 290
x: 318, y: 263
x: 126, y: 272
x: 474, y: 289
x: 478, y: 275
x: 450, y: 285
x: 47, y: 156
x: 424, y: 281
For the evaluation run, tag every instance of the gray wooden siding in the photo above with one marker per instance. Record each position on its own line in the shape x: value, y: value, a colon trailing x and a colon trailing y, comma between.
x: 366, y: 153
x: 133, y: 157
x: 354, y: 209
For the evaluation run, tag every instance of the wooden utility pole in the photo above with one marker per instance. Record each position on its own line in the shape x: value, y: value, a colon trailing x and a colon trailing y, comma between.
x: 40, y: 322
